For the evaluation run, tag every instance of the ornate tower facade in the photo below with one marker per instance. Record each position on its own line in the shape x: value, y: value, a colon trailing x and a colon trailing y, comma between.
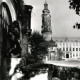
x: 46, y: 23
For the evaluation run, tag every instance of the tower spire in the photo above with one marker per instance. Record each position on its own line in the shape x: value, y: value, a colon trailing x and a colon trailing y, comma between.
x: 46, y: 23
x: 45, y: 1
x: 45, y: 5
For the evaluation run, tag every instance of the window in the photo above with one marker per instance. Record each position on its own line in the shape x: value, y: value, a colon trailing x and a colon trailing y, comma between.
x: 70, y: 48
x: 63, y: 49
x: 73, y: 49
x: 73, y: 44
x: 66, y: 49
x: 76, y: 49
x: 70, y: 55
x: 79, y: 49
x: 76, y: 44
x: 76, y: 54
x: 63, y: 44
x: 73, y: 55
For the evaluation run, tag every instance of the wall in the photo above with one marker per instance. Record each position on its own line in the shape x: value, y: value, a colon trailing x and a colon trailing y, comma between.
x: 70, y: 49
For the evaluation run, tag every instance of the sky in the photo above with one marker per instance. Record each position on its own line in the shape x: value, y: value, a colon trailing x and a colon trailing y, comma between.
x: 62, y: 18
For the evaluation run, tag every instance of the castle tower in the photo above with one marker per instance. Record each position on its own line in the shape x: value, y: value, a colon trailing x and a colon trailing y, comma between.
x: 46, y: 23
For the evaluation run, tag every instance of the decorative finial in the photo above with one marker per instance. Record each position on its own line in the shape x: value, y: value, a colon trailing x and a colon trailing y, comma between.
x: 45, y: 5
x: 45, y: 1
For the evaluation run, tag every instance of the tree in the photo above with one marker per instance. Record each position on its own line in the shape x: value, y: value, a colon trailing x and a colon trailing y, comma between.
x: 75, y: 4
x: 60, y: 54
x: 38, y: 47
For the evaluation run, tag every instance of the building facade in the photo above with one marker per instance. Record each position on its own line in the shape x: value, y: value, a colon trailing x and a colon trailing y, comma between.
x: 52, y: 50
x: 70, y: 48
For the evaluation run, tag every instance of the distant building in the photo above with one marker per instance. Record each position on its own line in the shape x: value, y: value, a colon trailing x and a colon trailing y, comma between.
x: 52, y: 50
x: 70, y: 47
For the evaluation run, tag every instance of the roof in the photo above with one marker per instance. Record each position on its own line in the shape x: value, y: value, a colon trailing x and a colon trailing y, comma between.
x: 51, y: 43
x: 66, y: 39
x: 53, y: 40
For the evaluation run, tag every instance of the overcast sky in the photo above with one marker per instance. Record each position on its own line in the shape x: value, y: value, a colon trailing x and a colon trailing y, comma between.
x: 62, y: 18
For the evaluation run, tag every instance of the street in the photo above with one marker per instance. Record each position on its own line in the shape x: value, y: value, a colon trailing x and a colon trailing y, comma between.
x: 70, y: 63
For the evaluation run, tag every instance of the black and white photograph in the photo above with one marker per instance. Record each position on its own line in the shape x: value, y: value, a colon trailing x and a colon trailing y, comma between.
x: 39, y: 39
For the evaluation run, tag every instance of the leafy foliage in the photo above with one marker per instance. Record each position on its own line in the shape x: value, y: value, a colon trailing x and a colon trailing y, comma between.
x: 60, y: 54
x: 75, y: 4
x: 38, y: 47
x: 77, y: 25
